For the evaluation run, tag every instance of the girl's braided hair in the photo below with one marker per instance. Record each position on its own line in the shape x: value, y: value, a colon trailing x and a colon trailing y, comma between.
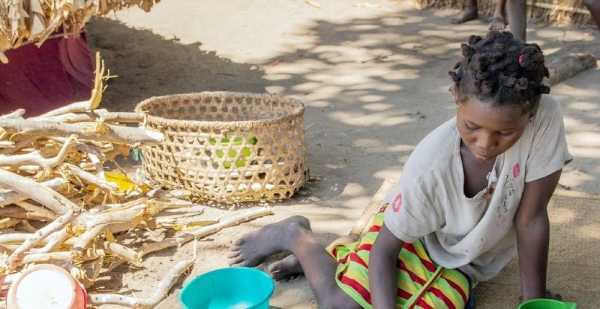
x: 502, y: 70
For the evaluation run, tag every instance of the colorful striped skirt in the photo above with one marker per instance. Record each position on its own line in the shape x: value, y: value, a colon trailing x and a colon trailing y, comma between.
x: 421, y: 282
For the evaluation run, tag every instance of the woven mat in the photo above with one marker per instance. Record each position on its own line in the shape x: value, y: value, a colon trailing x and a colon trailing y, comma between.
x: 574, y: 257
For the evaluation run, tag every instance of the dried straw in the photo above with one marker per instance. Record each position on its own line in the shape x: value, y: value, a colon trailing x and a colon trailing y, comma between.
x: 33, y: 21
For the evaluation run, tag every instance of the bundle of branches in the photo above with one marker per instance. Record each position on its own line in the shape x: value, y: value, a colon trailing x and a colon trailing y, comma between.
x: 559, y: 12
x: 35, y: 20
x: 58, y: 204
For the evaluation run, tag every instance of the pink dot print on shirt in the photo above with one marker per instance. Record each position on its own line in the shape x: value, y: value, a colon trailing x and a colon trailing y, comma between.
x: 397, y: 203
x: 516, y: 170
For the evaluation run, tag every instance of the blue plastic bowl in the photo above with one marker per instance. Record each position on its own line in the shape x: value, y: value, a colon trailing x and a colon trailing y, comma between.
x: 233, y: 287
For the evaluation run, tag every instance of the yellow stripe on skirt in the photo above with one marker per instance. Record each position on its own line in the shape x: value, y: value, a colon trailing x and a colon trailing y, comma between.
x: 449, y: 290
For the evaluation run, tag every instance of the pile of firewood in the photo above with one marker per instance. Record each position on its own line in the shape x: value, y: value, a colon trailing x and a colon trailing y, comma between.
x: 60, y: 204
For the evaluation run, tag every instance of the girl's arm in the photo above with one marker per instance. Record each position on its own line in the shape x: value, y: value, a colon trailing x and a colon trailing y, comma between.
x: 533, y: 235
x: 383, y: 274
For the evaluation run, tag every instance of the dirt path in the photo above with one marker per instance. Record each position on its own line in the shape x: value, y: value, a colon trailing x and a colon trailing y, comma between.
x: 373, y: 77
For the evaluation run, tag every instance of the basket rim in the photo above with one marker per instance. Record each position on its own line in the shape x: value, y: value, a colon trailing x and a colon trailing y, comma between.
x: 298, y: 111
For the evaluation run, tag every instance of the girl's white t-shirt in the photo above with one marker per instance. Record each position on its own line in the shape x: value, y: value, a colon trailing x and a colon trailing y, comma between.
x: 476, y: 235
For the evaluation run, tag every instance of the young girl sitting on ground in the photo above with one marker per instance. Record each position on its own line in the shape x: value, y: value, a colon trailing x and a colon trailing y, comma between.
x: 473, y: 192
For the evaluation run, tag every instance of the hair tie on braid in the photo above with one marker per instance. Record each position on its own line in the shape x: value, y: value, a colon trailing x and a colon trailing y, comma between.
x: 521, y: 59
x: 474, y: 39
x: 522, y: 83
x: 510, y: 82
x: 467, y: 50
x: 544, y: 89
x: 454, y: 77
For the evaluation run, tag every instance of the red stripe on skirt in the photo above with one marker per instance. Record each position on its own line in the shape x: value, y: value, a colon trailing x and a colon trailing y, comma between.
x: 364, y: 247
x: 374, y: 229
x: 413, y: 276
x: 459, y: 289
x: 423, y: 304
x: 356, y: 286
x: 343, y: 260
x: 439, y: 294
x: 410, y: 247
x: 403, y: 294
x: 356, y: 259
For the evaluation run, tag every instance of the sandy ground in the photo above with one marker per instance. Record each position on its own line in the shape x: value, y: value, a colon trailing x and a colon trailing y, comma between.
x: 373, y: 78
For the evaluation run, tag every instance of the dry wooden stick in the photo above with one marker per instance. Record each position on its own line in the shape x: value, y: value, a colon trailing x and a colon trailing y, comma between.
x: 108, y: 117
x: 567, y: 66
x: 54, y: 240
x: 186, y: 210
x: 15, y: 114
x: 203, y: 231
x: 123, y: 252
x: 88, y: 236
x: 49, y: 257
x: 89, y: 178
x: 55, y: 114
x: 9, y: 197
x: 92, y: 232
x: 16, y: 258
x: 38, y: 210
x: 81, y: 243
x: 161, y: 291
x: 35, y: 158
x: 81, y: 146
x: 37, y: 192
x: 20, y: 145
x: 89, y: 149
x: 60, y: 256
x: 129, y: 214
x: 85, y: 130
x: 97, y: 165
x: 14, y: 237
x: 20, y: 213
x: 21, y: 237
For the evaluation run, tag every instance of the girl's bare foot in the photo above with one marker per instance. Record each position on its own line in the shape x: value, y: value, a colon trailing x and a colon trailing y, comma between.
x: 466, y: 15
x: 254, y: 247
x: 497, y: 23
x: 286, y: 269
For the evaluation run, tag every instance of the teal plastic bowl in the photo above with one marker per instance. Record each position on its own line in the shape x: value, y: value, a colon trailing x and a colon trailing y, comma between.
x: 231, y: 288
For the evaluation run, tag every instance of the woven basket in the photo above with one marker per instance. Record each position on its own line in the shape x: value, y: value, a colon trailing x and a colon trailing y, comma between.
x: 227, y: 147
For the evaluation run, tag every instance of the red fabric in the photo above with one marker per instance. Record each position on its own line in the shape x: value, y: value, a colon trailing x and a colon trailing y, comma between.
x: 59, y: 72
